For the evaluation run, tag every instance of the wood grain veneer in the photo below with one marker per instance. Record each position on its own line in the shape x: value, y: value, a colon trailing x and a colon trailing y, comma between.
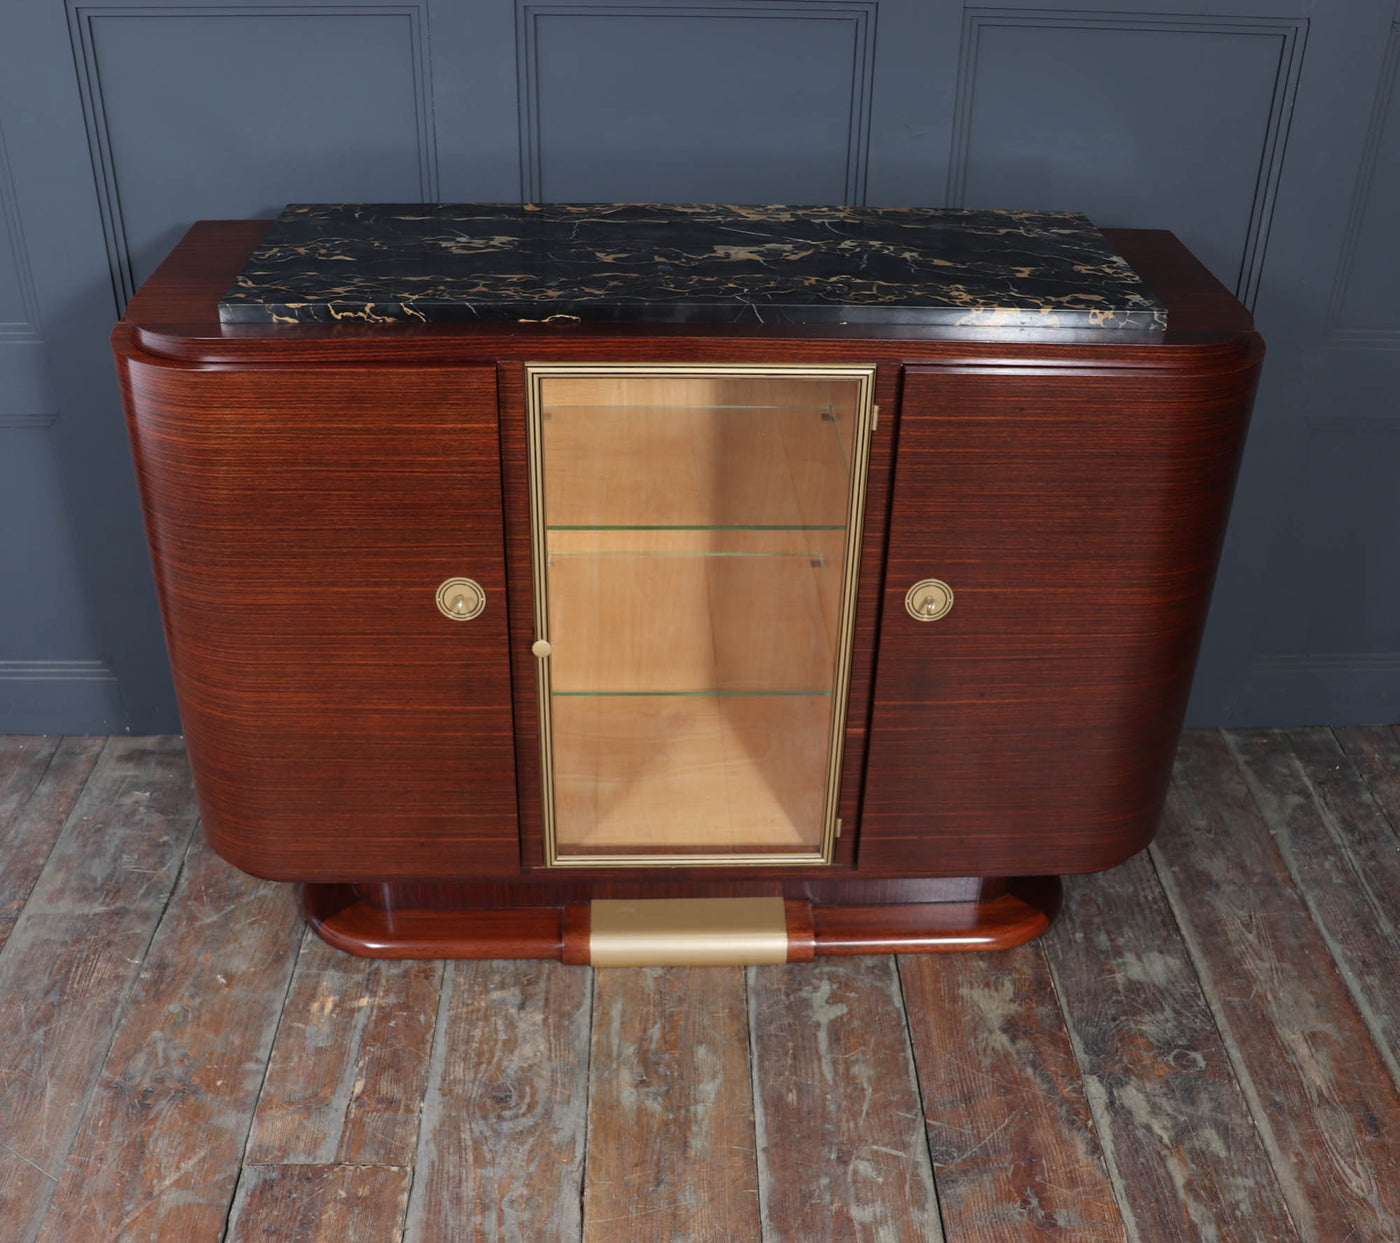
x: 306, y: 487
x: 1078, y: 518
x: 300, y: 521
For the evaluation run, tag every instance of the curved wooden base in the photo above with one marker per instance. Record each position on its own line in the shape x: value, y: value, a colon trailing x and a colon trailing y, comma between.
x: 347, y: 919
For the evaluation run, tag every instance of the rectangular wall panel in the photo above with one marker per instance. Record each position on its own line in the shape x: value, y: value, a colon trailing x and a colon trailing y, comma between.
x: 753, y: 103
x: 1142, y: 121
x: 25, y: 397
x: 226, y: 111
x: 1365, y: 309
x: 50, y: 677
x: 1337, y: 559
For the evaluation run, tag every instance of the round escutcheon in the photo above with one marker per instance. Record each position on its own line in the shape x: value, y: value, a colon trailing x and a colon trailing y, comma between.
x: 461, y: 599
x: 929, y: 599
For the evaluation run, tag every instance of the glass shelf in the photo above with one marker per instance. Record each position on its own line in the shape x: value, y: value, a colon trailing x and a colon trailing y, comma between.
x: 694, y: 610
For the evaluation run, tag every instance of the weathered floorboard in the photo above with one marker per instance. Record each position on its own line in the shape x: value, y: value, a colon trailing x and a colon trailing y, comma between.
x: 1344, y: 858
x: 1014, y: 1151
x: 1186, y: 1159
x: 842, y: 1152
x: 1316, y: 1084
x: 670, y: 1108
x: 23, y: 761
x: 69, y: 964
x: 500, y: 1152
x: 349, y: 1063
x: 319, y: 1204
x: 158, y: 1152
x: 42, y: 781
x: 1375, y: 750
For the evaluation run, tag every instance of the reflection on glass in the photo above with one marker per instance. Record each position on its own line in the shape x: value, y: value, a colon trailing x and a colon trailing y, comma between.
x: 696, y: 538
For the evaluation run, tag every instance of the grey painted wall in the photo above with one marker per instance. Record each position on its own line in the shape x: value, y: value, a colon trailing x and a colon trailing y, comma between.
x: 1266, y: 133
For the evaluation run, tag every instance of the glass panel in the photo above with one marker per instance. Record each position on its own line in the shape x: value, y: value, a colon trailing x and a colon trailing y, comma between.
x: 694, y: 541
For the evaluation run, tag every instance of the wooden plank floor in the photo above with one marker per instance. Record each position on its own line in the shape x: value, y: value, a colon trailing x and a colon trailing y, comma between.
x: 1205, y: 1046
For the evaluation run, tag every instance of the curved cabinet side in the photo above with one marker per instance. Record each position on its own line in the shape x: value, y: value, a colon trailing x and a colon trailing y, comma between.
x: 300, y: 519
x: 1078, y: 517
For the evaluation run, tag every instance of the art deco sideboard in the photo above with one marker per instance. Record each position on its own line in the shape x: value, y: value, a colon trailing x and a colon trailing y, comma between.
x: 643, y: 584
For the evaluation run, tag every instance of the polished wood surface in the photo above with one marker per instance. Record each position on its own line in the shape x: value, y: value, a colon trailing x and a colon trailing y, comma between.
x: 1071, y: 486
x: 300, y: 522
x: 1008, y: 920
x: 1013, y: 913
x: 1078, y: 519
x: 349, y: 923
x: 175, y: 315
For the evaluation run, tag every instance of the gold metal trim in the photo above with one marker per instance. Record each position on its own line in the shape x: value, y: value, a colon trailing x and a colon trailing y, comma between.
x: 461, y: 599
x: 673, y: 932
x: 929, y: 599
x: 864, y: 377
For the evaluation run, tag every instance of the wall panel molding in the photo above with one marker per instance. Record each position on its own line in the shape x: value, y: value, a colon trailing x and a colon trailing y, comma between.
x: 1291, y: 33
x: 15, y: 422
x: 1312, y: 688
x: 59, y: 697
x: 860, y: 14
x: 1337, y: 337
x: 1318, y: 423
x: 26, y: 329
x: 56, y: 671
x: 1387, y: 663
x: 83, y: 15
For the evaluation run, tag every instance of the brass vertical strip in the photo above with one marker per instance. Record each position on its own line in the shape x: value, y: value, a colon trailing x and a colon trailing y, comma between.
x: 855, y: 528
x: 539, y: 557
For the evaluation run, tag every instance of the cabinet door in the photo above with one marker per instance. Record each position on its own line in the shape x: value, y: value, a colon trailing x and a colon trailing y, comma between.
x: 696, y: 535
x: 1077, y: 518
x: 340, y: 726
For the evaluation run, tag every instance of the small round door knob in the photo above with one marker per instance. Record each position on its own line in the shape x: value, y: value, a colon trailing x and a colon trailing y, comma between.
x: 461, y: 599
x: 929, y: 599
x: 540, y: 648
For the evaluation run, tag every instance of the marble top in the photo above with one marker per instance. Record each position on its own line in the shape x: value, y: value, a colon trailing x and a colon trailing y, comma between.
x: 689, y: 263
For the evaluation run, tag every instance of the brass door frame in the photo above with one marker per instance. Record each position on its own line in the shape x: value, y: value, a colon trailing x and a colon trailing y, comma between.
x: 535, y: 376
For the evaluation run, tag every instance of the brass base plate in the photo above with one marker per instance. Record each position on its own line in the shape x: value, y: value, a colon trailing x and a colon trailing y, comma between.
x: 666, y: 932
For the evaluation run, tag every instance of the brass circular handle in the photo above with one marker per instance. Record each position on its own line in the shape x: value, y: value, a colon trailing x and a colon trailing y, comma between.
x: 929, y: 599
x: 541, y: 648
x: 461, y: 599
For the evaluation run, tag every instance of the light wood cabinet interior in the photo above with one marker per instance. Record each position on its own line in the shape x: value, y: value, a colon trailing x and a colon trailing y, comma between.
x: 695, y: 554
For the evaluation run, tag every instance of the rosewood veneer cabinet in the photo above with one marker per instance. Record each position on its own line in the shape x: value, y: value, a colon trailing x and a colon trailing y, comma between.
x: 640, y: 584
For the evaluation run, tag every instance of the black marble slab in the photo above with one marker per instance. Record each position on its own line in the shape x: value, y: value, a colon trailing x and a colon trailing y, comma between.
x: 691, y: 263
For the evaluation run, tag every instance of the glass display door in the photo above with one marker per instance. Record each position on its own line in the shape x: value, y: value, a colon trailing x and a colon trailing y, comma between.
x: 696, y: 544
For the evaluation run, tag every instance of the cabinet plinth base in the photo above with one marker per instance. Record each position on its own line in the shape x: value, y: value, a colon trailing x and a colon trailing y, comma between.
x: 348, y: 917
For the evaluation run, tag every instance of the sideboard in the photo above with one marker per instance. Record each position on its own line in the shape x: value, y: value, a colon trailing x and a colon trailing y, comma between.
x: 694, y: 602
